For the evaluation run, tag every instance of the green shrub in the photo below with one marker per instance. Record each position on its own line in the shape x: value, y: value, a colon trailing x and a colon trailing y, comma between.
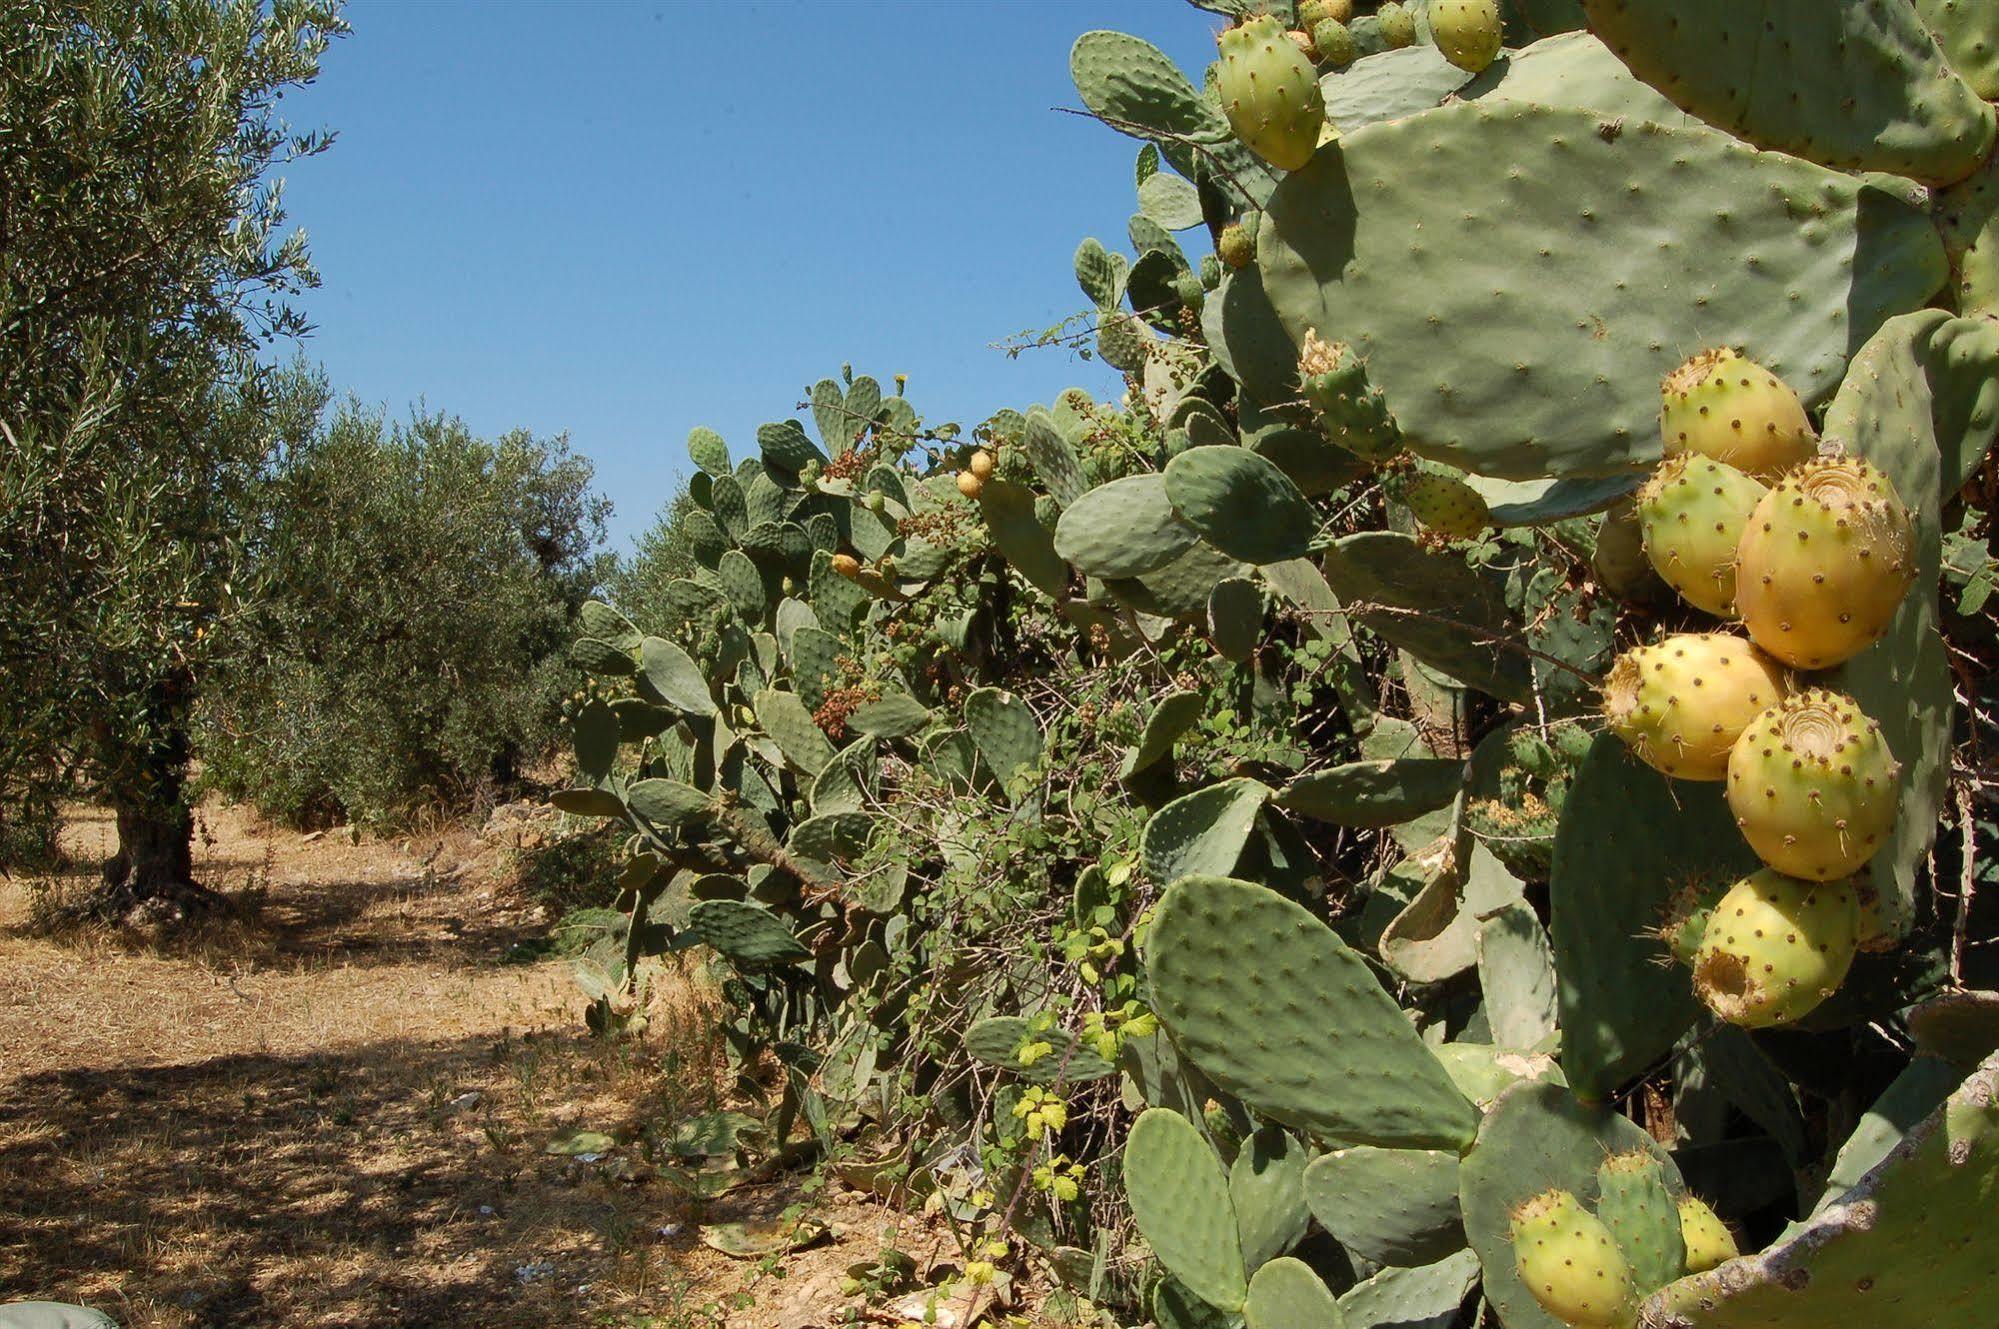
x: 415, y: 587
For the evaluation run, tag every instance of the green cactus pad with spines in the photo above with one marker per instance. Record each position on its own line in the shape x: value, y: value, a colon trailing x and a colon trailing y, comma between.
x: 673, y: 674
x: 743, y: 584
x: 783, y: 716
x: 1423, y: 1298
x: 1542, y: 357
x: 1903, y: 1105
x: 998, y: 1040
x: 1235, y: 617
x: 1859, y: 86
x: 1904, y: 1249
x: 751, y: 936
x: 603, y: 623
x: 1392, y: 1206
x: 667, y: 803
x: 1126, y: 528
x: 1267, y: 1188
x: 1314, y: 463
x: 1920, y: 403
x: 1180, y: 589
x: 1516, y: 974
x: 1351, y: 409
x: 1180, y: 1200
x: 1053, y: 459
x: 1969, y: 33
x: 1138, y: 90
x: 594, y: 735
x: 831, y: 837
x: 1535, y: 1138
x: 1286, y: 1294
x: 1248, y: 342
x: 1100, y: 273
x: 1575, y: 69
x: 893, y: 715
x: 815, y: 655
x: 599, y: 657
x: 1172, y: 717
x: 1202, y: 832
x: 1388, y: 86
x: 728, y: 506
x: 1375, y: 793
x: 1614, y: 879
x: 1633, y: 1202
x: 1025, y: 543
x: 708, y: 451
x: 1275, y: 1008
x: 1240, y: 503
x: 786, y: 446
x: 842, y: 784
x: 1174, y: 1307
x: 1434, y: 607
x: 1004, y: 730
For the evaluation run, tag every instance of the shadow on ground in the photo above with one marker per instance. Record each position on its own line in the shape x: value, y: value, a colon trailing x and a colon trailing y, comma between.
x: 357, y: 1188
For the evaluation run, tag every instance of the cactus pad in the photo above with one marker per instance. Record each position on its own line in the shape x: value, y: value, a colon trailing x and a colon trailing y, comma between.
x: 1126, y: 528
x: 1392, y: 1206
x: 1540, y: 357
x: 1278, y: 1011
x: 1180, y: 1199
x: 1240, y: 503
x: 1858, y: 86
x: 1286, y: 1294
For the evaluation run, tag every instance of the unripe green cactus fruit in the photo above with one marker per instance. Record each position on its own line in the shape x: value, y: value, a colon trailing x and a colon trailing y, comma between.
x: 1687, y: 915
x: 1722, y: 405
x: 1776, y: 947
x: 1683, y: 704
x: 1827, y: 557
x: 1352, y: 409
x: 1398, y: 25
x: 1570, y: 1263
x: 1693, y: 512
x: 1468, y: 32
x: 1709, y: 1242
x: 1237, y: 246
x: 1335, y: 43
x: 1618, y: 561
x: 1438, y: 497
x: 1270, y: 94
x: 1813, y: 785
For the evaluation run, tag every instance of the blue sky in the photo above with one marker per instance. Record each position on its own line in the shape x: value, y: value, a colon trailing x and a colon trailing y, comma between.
x: 626, y: 219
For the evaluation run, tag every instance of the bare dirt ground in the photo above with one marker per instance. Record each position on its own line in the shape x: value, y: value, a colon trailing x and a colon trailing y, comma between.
x: 333, y: 1108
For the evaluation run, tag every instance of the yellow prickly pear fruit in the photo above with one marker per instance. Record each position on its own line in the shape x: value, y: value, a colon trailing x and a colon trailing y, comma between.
x: 1725, y: 406
x: 1813, y: 785
x: 1709, y: 1242
x: 970, y: 484
x: 1824, y: 563
x: 1568, y: 1260
x: 1776, y: 947
x: 1693, y: 512
x: 981, y: 464
x: 1314, y: 12
x: 1270, y: 94
x: 1467, y: 32
x: 1237, y: 246
x: 1682, y: 704
x: 846, y: 565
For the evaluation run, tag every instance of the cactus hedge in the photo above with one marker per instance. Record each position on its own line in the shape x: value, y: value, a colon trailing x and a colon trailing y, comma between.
x: 1461, y: 788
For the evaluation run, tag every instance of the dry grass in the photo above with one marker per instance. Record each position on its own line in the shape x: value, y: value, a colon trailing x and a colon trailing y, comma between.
x: 266, y: 1122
